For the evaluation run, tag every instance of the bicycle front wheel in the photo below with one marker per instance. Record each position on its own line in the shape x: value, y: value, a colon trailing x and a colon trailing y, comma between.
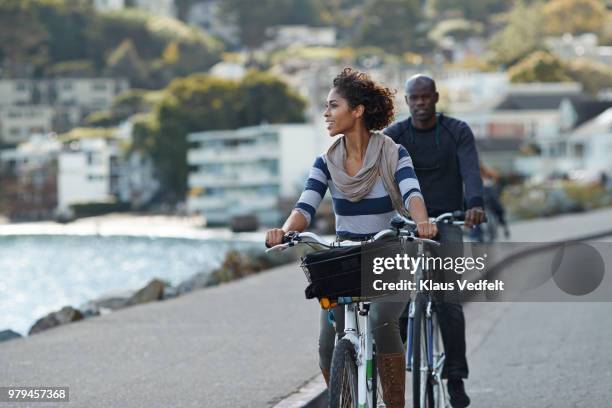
x: 343, y: 376
x: 422, y: 389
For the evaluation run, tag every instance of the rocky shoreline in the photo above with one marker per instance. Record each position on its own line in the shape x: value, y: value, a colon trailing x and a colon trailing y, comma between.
x: 236, y: 265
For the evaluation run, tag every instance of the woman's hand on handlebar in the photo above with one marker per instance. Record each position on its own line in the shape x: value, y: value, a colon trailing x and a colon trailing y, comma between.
x: 274, y: 237
x: 427, y: 229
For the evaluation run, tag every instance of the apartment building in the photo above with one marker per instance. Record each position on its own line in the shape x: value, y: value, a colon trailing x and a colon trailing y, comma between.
x: 89, y: 93
x: 248, y: 171
x: 19, y: 123
x: 30, y: 106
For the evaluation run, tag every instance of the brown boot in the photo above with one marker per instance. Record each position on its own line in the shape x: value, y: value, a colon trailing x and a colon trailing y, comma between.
x: 325, y: 376
x: 392, y: 370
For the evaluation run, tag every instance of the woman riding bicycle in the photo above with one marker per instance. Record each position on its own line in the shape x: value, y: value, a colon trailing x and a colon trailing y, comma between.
x: 370, y: 178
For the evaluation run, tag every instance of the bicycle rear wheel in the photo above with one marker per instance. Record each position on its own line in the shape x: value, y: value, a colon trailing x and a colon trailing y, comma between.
x: 422, y: 388
x: 343, y: 376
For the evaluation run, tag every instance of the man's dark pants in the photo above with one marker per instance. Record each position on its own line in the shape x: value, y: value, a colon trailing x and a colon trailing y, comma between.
x: 450, y: 311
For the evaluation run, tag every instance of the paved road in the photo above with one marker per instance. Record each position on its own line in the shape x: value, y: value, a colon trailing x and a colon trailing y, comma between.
x: 252, y: 342
x: 543, y: 354
x: 540, y: 355
x: 243, y: 344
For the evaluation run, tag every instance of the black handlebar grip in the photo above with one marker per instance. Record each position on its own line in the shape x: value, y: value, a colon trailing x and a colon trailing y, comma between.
x: 397, y: 222
x: 459, y: 215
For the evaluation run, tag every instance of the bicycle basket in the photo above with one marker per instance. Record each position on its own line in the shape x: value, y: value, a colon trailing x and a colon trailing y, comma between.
x: 337, y: 272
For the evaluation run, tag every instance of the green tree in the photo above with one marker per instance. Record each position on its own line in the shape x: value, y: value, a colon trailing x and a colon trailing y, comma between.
x: 23, y: 39
x: 574, y: 16
x: 183, y: 7
x: 200, y: 102
x: 157, y: 39
x: 593, y: 76
x: 522, y: 35
x: 538, y: 67
x: 260, y: 96
x: 457, y: 28
x: 390, y: 25
x: 125, y: 62
x: 253, y: 20
x: 479, y: 10
x: 124, y: 105
x: 66, y: 22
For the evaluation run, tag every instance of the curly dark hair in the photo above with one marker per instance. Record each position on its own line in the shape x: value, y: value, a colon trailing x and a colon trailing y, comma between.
x: 359, y: 89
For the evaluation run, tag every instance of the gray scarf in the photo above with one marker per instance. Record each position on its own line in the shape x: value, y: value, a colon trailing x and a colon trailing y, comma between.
x: 381, y: 158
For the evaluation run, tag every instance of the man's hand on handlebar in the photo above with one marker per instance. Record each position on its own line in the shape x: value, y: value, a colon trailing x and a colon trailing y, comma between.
x: 274, y: 237
x: 474, y: 216
x: 426, y: 229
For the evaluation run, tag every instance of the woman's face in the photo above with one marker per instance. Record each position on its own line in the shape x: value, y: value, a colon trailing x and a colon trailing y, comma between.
x: 339, y: 116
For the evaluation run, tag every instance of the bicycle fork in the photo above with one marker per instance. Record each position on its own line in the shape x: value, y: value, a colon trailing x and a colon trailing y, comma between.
x: 364, y: 351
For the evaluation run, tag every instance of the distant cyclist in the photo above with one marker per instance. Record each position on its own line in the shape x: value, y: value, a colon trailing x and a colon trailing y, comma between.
x: 369, y: 178
x: 493, y: 204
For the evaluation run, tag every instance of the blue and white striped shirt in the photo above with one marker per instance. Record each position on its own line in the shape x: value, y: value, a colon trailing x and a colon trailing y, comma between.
x: 367, y: 216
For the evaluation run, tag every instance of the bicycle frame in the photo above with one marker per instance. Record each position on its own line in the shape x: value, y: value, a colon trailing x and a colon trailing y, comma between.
x: 434, y: 364
x: 357, y: 331
x: 357, y: 328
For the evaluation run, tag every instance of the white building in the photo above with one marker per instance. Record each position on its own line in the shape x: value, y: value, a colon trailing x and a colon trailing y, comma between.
x: 465, y: 91
x: 19, y: 123
x: 582, y: 153
x: 97, y: 169
x: 16, y: 91
x: 29, y: 106
x: 89, y: 93
x: 87, y: 172
x: 109, y: 5
x: 525, y: 114
x: 585, y: 45
x: 248, y: 170
x: 589, y: 146
x: 300, y: 35
x: 159, y: 7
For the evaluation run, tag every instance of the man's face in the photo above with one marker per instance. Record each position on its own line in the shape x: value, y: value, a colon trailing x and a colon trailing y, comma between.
x: 421, y: 99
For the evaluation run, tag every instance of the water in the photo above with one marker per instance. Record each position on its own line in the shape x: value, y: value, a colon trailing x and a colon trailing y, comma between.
x: 41, y: 274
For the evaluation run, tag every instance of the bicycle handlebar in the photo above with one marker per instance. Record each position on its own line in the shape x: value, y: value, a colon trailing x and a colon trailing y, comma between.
x: 292, y: 238
x: 398, y: 224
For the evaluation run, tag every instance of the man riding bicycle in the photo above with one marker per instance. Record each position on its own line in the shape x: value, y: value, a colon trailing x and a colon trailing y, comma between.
x: 446, y: 164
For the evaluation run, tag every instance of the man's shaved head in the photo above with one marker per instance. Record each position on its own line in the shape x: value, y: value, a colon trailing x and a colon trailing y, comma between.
x: 420, y: 81
x: 421, y: 97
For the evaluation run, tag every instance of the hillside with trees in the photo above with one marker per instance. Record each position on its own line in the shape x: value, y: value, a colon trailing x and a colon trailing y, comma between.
x: 46, y: 38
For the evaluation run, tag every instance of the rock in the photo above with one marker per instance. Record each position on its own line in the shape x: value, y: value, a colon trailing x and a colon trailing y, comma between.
x: 198, y: 281
x: 7, y: 335
x: 113, y: 300
x: 89, y: 309
x: 170, y: 292
x: 66, y: 315
x: 152, y: 292
x: 112, y: 303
